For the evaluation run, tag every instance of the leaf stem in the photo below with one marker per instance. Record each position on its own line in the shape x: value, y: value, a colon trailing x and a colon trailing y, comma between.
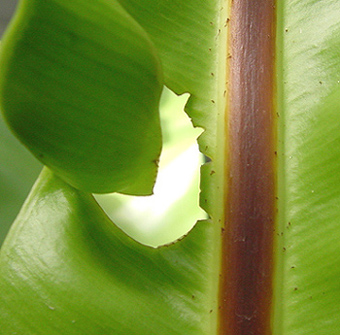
x: 250, y: 208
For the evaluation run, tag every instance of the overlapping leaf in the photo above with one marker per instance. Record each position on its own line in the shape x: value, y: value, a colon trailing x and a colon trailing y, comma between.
x: 80, y: 86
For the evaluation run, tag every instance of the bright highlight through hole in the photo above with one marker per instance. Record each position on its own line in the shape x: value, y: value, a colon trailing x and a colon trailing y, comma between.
x: 173, y: 209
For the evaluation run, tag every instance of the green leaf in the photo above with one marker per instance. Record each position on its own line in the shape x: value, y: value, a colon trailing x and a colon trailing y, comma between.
x: 66, y: 265
x: 310, y: 268
x: 308, y: 262
x: 80, y: 86
x: 80, y: 274
x: 191, y: 40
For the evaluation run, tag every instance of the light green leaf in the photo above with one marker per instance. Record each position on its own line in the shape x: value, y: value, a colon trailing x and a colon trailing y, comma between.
x: 308, y: 261
x: 310, y: 268
x: 190, y: 37
x: 80, y: 86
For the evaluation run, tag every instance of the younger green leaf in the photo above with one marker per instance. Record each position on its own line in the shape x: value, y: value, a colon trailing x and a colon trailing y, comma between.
x: 80, y: 86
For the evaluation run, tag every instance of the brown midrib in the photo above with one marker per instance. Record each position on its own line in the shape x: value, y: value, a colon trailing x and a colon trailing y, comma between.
x: 247, y: 239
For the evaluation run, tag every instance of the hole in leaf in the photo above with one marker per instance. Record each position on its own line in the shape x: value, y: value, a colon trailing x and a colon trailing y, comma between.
x: 173, y: 209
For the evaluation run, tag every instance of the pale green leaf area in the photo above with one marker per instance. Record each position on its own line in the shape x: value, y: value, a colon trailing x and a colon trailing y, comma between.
x: 80, y: 86
x: 66, y: 269
x: 173, y: 209
x: 308, y: 251
x: 311, y: 270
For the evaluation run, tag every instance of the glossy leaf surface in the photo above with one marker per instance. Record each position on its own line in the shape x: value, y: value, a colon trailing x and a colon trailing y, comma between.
x: 81, y: 275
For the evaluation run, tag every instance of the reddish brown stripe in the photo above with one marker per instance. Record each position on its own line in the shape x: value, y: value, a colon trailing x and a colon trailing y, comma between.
x: 246, y: 286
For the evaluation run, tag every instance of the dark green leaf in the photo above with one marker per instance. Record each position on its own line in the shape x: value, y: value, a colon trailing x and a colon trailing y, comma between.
x: 80, y: 86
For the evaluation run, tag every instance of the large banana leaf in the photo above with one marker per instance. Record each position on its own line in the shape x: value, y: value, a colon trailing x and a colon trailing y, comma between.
x: 65, y: 267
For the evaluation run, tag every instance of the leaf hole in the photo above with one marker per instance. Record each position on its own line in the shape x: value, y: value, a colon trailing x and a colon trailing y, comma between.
x: 173, y: 209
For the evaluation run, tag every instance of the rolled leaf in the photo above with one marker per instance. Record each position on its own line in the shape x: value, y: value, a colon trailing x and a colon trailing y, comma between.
x: 80, y: 85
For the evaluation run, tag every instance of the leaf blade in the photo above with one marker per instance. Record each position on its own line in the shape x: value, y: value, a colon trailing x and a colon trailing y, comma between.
x: 99, y: 79
x: 84, y: 266
x: 308, y: 264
